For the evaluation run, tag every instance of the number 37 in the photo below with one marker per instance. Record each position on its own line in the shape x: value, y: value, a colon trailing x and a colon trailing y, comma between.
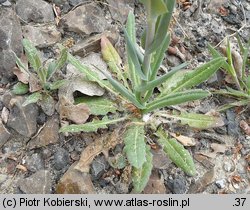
x: 239, y: 201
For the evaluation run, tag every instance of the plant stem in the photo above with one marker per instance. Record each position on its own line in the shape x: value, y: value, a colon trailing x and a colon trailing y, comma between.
x: 149, y: 39
x: 151, y: 23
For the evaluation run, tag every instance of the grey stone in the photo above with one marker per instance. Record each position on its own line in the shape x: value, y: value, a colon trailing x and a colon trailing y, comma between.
x: 85, y: 19
x: 23, y: 118
x: 98, y: 167
x: 4, y: 134
x: 76, y: 2
x: 48, y: 135
x: 37, y: 11
x: 233, y: 128
x: 61, y: 159
x: 177, y: 186
x: 10, y: 41
x: 35, y: 162
x: 38, y: 183
x: 120, y: 9
x: 42, y: 36
x: 2, y: 1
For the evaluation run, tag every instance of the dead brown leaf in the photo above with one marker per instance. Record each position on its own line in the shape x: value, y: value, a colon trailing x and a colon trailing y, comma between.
x: 100, y: 145
x: 204, y: 161
x: 21, y: 76
x: 245, y: 127
x: 186, y: 141
x: 217, y: 116
x: 77, y: 113
x: 211, y: 155
x: 218, y: 148
x: 22, y: 168
x: 34, y: 84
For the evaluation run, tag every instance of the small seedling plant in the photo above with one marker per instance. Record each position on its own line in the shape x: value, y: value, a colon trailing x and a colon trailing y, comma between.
x: 136, y: 85
x: 36, y: 78
x: 237, y: 66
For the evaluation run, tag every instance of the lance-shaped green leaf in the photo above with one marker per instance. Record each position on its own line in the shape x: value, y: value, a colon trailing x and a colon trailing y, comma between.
x: 57, y: 84
x: 135, y: 146
x: 42, y: 75
x: 91, y: 75
x: 159, y: 56
x: 132, y: 53
x: 234, y: 104
x: 111, y: 56
x: 91, y: 126
x: 98, y: 105
x: 248, y: 83
x: 130, y: 27
x: 177, y: 153
x: 140, y: 176
x: 33, y: 98
x: 199, y: 75
x: 245, y: 57
x: 162, y: 26
x: 122, y: 90
x: 176, y: 98
x: 217, y: 54
x: 54, y: 66
x: 20, y: 88
x: 199, y: 121
x: 152, y: 84
x: 155, y: 7
x: 32, y: 55
x: 232, y: 92
x: 172, y: 82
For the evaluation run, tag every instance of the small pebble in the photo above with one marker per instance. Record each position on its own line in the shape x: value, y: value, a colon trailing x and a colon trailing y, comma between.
x: 61, y: 159
x: 221, y: 183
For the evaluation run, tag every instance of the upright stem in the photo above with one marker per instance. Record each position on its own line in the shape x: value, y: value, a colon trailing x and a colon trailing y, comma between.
x: 151, y: 23
x: 149, y: 39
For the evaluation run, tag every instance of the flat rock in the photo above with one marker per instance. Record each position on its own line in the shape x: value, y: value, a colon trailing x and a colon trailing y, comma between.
x: 61, y: 158
x: 90, y: 60
x: 48, y: 135
x: 75, y: 182
x: 85, y: 19
x: 38, y: 183
x: 4, y: 134
x: 76, y: 2
x: 10, y: 41
x: 120, y: 9
x: 38, y: 11
x: 42, y: 36
x: 35, y: 162
x: 23, y: 118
